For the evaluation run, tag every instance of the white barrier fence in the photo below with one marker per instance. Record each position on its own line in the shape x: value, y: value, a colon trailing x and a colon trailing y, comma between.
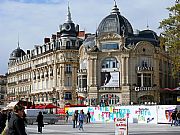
x: 137, y: 114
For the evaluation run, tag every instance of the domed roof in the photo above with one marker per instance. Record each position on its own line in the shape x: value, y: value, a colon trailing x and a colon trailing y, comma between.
x: 17, y: 53
x: 69, y: 28
x: 148, y: 34
x: 115, y: 23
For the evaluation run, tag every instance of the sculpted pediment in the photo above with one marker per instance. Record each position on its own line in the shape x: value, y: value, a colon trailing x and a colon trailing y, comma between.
x: 144, y: 47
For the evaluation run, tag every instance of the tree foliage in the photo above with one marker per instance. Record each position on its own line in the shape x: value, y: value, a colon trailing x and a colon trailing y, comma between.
x: 170, y: 37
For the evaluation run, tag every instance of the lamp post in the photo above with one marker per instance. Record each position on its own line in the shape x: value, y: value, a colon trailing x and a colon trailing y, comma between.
x: 77, y: 97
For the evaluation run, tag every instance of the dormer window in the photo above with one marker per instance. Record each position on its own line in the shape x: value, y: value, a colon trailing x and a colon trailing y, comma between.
x: 68, y: 45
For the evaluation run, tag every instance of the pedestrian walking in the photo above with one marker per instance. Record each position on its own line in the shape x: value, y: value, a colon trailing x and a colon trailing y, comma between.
x: 4, y: 118
x: 16, y: 122
x: 173, y: 118
x: 1, y: 119
x: 40, y: 122
x: 73, y: 119
x: 67, y: 116
x: 81, y: 119
x: 10, y: 111
x: 178, y: 118
x: 76, y: 117
x: 88, y: 117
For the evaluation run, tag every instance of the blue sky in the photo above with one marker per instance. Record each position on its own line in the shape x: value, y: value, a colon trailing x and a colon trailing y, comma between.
x: 33, y: 20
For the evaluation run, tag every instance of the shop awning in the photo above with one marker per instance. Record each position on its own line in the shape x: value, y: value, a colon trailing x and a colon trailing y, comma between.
x: 81, y: 97
x: 173, y: 89
x: 12, y: 104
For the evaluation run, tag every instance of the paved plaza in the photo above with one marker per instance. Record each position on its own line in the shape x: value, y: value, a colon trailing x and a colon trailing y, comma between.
x: 105, y: 129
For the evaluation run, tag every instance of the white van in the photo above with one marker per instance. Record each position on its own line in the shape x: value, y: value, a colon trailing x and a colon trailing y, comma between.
x: 31, y: 116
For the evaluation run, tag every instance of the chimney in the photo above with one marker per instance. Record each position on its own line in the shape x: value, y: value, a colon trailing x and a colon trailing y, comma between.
x: 28, y: 51
x: 58, y: 34
x: 46, y: 40
x: 53, y: 37
x: 81, y: 34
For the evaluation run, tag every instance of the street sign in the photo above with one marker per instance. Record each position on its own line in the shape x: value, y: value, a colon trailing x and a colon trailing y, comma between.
x: 121, y: 127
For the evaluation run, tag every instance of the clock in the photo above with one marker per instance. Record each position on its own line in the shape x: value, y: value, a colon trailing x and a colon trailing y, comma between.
x: 67, y: 27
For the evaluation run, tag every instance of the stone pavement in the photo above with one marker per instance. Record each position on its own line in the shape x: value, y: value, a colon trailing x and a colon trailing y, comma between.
x: 106, y: 129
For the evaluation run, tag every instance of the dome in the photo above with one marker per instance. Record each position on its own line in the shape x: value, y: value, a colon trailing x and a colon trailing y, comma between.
x: 17, y: 53
x: 69, y: 28
x: 148, y: 34
x: 115, y: 23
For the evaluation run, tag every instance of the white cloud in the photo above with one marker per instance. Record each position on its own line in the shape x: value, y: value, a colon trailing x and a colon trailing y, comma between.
x: 35, y: 19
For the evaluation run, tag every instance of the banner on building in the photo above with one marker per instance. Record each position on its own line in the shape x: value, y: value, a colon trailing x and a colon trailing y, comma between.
x: 109, y: 79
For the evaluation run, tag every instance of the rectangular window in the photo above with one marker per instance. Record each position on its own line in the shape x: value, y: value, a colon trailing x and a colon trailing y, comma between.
x: 68, y: 81
x: 68, y: 96
x: 147, y: 80
x: 139, y: 80
x: 68, y: 68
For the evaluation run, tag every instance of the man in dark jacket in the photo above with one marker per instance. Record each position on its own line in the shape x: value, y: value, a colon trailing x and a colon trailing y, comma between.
x: 16, y: 124
x: 40, y: 122
x: 1, y: 119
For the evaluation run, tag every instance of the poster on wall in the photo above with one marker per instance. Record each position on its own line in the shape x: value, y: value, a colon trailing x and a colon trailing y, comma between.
x: 137, y: 114
x: 109, y: 79
x: 164, y: 113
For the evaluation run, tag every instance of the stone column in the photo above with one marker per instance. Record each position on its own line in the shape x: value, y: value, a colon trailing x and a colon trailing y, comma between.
x: 123, y: 70
x: 54, y: 75
x: 142, y: 80
x: 127, y: 70
x: 95, y: 72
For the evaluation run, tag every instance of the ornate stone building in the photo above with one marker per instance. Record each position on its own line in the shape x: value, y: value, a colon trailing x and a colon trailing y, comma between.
x: 48, y: 73
x: 118, y: 66
x: 113, y: 66
x: 3, y: 89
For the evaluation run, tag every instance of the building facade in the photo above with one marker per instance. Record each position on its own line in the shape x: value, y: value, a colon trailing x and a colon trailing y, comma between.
x: 113, y: 66
x: 119, y: 66
x: 47, y: 73
x: 3, y: 89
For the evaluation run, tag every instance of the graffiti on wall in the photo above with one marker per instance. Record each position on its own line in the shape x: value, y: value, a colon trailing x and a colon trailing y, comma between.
x: 144, y: 115
x: 136, y: 114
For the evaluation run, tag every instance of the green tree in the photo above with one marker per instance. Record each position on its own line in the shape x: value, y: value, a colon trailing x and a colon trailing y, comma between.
x: 170, y: 37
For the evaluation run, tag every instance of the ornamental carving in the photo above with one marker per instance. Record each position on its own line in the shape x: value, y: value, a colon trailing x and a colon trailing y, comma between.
x: 144, y: 47
x: 109, y: 36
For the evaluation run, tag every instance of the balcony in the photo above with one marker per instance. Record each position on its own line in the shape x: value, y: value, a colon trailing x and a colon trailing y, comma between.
x: 12, y: 83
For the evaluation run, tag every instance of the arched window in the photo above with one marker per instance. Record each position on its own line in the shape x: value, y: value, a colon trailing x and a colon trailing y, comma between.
x: 110, y: 63
x: 109, y: 99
